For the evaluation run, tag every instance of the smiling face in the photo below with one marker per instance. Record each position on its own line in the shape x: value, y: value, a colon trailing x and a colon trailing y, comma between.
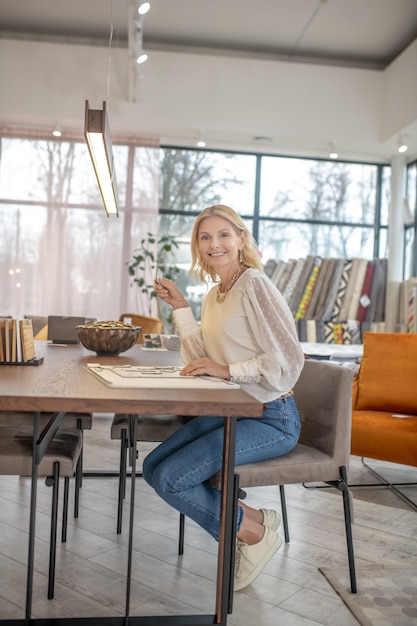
x: 219, y: 245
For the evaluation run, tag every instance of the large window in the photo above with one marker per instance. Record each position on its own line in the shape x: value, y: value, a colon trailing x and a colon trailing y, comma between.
x: 324, y: 208
x: 294, y: 206
x: 410, y: 212
x: 60, y: 254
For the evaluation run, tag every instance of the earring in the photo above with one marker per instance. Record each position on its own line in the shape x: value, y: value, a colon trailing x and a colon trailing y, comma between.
x: 240, y: 256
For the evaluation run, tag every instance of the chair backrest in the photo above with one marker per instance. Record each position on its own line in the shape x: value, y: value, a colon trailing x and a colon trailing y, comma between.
x: 150, y: 427
x: 387, y: 376
x: 16, y: 451
x: 323, y: 394
x: 149, y: 324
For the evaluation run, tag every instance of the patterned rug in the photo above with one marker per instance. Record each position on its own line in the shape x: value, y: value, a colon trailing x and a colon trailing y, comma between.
x: 386, y: 596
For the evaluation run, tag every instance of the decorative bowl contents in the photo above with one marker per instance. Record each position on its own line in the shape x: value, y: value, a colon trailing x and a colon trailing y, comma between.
x: 108, y: 338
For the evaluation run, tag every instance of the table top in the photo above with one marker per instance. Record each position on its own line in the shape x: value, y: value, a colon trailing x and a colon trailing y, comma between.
x: 62, y: 383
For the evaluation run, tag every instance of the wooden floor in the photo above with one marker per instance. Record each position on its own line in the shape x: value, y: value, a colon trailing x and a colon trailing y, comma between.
x: 91, y: 566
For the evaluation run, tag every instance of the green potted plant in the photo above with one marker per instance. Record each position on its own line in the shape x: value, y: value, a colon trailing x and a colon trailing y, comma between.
x: 153, y: 253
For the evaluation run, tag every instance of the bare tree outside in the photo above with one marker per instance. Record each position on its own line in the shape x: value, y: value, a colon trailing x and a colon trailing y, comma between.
x: 326, y: 205
x: 192, y: 180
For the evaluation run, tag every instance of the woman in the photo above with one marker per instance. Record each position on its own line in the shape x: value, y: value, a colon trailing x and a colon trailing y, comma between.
x: 247, y: 334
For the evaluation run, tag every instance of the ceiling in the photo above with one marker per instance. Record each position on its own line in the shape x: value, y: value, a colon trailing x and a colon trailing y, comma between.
x: 360, y: 33
x: 351, y: 33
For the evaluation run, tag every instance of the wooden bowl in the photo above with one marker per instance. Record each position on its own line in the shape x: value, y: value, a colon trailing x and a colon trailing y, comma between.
x: 108, y: 338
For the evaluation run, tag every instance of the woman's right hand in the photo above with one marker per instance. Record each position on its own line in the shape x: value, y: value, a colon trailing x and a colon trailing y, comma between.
x: 169, y: 293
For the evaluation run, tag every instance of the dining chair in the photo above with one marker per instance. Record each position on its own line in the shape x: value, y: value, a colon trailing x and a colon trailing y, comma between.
x: 60, y: 460
x: 323, y: 394
x: 151, y: 428
x: 81, y: 421
x: 148, y: 324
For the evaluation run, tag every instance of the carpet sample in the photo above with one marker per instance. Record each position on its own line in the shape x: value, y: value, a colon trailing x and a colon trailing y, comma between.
x: 387, y: 596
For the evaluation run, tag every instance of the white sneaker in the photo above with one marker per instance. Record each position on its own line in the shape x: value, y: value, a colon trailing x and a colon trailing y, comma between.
x: 250, y: 560
x: 272, y: 519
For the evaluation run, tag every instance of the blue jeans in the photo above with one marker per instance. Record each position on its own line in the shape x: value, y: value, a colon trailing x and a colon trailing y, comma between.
x: 179, y: 468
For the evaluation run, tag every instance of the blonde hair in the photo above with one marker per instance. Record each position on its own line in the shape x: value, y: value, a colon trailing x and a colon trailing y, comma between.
x: 250, y: 255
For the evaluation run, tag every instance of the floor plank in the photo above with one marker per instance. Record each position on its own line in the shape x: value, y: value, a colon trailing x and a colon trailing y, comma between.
x: 91, y: 566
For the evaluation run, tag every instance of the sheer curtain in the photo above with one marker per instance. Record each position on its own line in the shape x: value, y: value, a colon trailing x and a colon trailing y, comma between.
x: 59, y: 252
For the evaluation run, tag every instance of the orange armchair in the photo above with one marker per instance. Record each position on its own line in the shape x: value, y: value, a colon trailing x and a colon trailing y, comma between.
x: 384, y: 401
x: 149, y: 324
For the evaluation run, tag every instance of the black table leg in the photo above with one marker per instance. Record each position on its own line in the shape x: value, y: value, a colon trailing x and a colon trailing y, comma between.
x: 32, y: 519
x: 227, y: 535
x: 133, y: 430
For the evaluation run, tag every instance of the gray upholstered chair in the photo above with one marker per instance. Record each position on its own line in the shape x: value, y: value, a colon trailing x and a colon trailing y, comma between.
x: 323, y: 395
x: 151, y: 428
x: 60, y: 459
x: 81, y: 421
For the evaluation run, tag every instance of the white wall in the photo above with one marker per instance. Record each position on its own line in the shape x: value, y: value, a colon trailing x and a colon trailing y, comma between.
x: 301, y: 107
x: 400, y: 93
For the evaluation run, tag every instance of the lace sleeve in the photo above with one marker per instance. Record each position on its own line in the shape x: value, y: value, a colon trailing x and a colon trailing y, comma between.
x: 192, y: 344
x: 280, y: 357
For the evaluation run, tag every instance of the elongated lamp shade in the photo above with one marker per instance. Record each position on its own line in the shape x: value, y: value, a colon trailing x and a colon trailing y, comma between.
x: 97, y: 135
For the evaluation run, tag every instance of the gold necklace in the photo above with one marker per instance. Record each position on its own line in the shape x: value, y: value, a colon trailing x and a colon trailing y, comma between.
x: 220, y: 297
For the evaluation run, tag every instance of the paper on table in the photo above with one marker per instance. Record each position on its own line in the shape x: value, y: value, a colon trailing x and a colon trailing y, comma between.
x: 154, y: 377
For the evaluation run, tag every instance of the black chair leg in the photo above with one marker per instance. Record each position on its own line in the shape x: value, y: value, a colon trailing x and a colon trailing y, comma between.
x: 80, y: 427
x: 125, y: 442
x: 65, y: 510
x: 54, y: 481
x: 78, y: 482
x: 181, y: 534
x: 122, y: 479
x: 343, y: 486
x: 284, y: 513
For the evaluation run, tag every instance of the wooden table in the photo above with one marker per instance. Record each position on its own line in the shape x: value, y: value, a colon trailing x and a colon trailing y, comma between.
x: 62, y: 384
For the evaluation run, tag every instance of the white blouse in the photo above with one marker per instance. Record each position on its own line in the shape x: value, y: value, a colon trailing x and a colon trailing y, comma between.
x: 252, y: 330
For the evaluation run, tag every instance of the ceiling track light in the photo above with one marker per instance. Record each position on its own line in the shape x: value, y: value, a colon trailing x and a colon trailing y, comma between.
x: 137, y: 55
x: 144, y: 7
x: 201, y: 142
x: 141, y: 58
x: 333, y: 154
x: 137, y: 33
x: 402, y: 143
x: 57, y: 130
